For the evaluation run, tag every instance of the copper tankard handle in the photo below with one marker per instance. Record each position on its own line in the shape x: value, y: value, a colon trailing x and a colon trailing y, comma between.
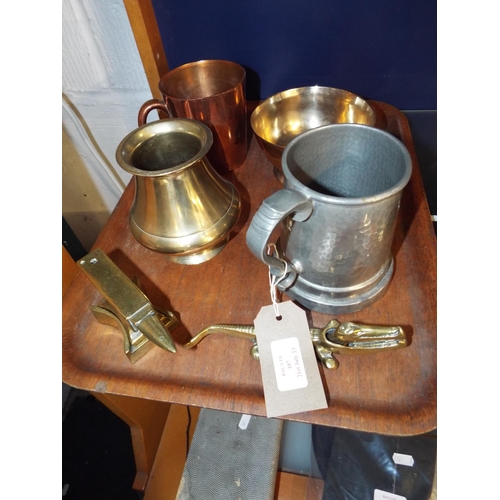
x: 149, y: 106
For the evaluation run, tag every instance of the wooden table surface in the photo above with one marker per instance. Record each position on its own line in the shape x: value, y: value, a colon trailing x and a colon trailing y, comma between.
x: 387, y: 393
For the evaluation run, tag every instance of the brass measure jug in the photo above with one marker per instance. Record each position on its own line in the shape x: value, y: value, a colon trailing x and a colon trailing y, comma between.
x: 182, y: 206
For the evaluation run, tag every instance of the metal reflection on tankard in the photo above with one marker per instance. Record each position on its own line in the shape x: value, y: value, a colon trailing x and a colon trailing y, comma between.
x: 182, y: 206
x: 336, y: 216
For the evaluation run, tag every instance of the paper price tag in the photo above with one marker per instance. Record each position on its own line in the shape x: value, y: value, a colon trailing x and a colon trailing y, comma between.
x: 244, y: 421
x: 290, y: 373
x: 401, y: 459
x: 288, y: 364
x: 384, y: 495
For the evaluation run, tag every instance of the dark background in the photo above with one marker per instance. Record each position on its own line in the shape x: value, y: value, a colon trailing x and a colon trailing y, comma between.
x: 383, y: 50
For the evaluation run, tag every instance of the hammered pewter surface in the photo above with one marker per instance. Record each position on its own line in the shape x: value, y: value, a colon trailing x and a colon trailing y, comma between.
x: 343, y: 249
x: 352, y: 176
x: 226, y: 462
x: 347, y: 161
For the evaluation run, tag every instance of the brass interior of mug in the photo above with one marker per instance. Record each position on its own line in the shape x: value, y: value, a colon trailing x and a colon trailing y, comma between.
x: 348, y: 161
x: 163, y: 151
x: 164, y: 146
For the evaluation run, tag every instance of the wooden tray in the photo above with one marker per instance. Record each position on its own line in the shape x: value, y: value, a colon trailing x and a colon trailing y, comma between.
x: 388, y: 393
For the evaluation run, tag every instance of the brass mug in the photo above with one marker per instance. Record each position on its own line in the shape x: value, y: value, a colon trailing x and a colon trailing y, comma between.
x: 211, y: 91
x: 182, y: 206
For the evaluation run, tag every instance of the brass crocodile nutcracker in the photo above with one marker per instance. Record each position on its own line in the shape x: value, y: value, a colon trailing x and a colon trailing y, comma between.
x: 334, y: 338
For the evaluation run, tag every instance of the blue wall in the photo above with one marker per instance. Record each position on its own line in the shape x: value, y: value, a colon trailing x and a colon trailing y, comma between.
x: 379, y: 49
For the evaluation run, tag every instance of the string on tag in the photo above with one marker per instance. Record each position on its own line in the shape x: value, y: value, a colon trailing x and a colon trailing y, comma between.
x: 274, y: 281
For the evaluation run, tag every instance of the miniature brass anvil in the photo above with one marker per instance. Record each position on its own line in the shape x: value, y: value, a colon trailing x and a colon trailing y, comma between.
x: 125, y: 306
x: 334, y: 338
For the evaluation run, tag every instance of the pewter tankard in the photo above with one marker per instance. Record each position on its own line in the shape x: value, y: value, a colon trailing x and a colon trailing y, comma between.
x: 336, y: 215
x: 182, y: 206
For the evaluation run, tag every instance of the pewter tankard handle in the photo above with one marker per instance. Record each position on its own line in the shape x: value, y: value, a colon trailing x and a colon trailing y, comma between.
x: 273, y: 210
